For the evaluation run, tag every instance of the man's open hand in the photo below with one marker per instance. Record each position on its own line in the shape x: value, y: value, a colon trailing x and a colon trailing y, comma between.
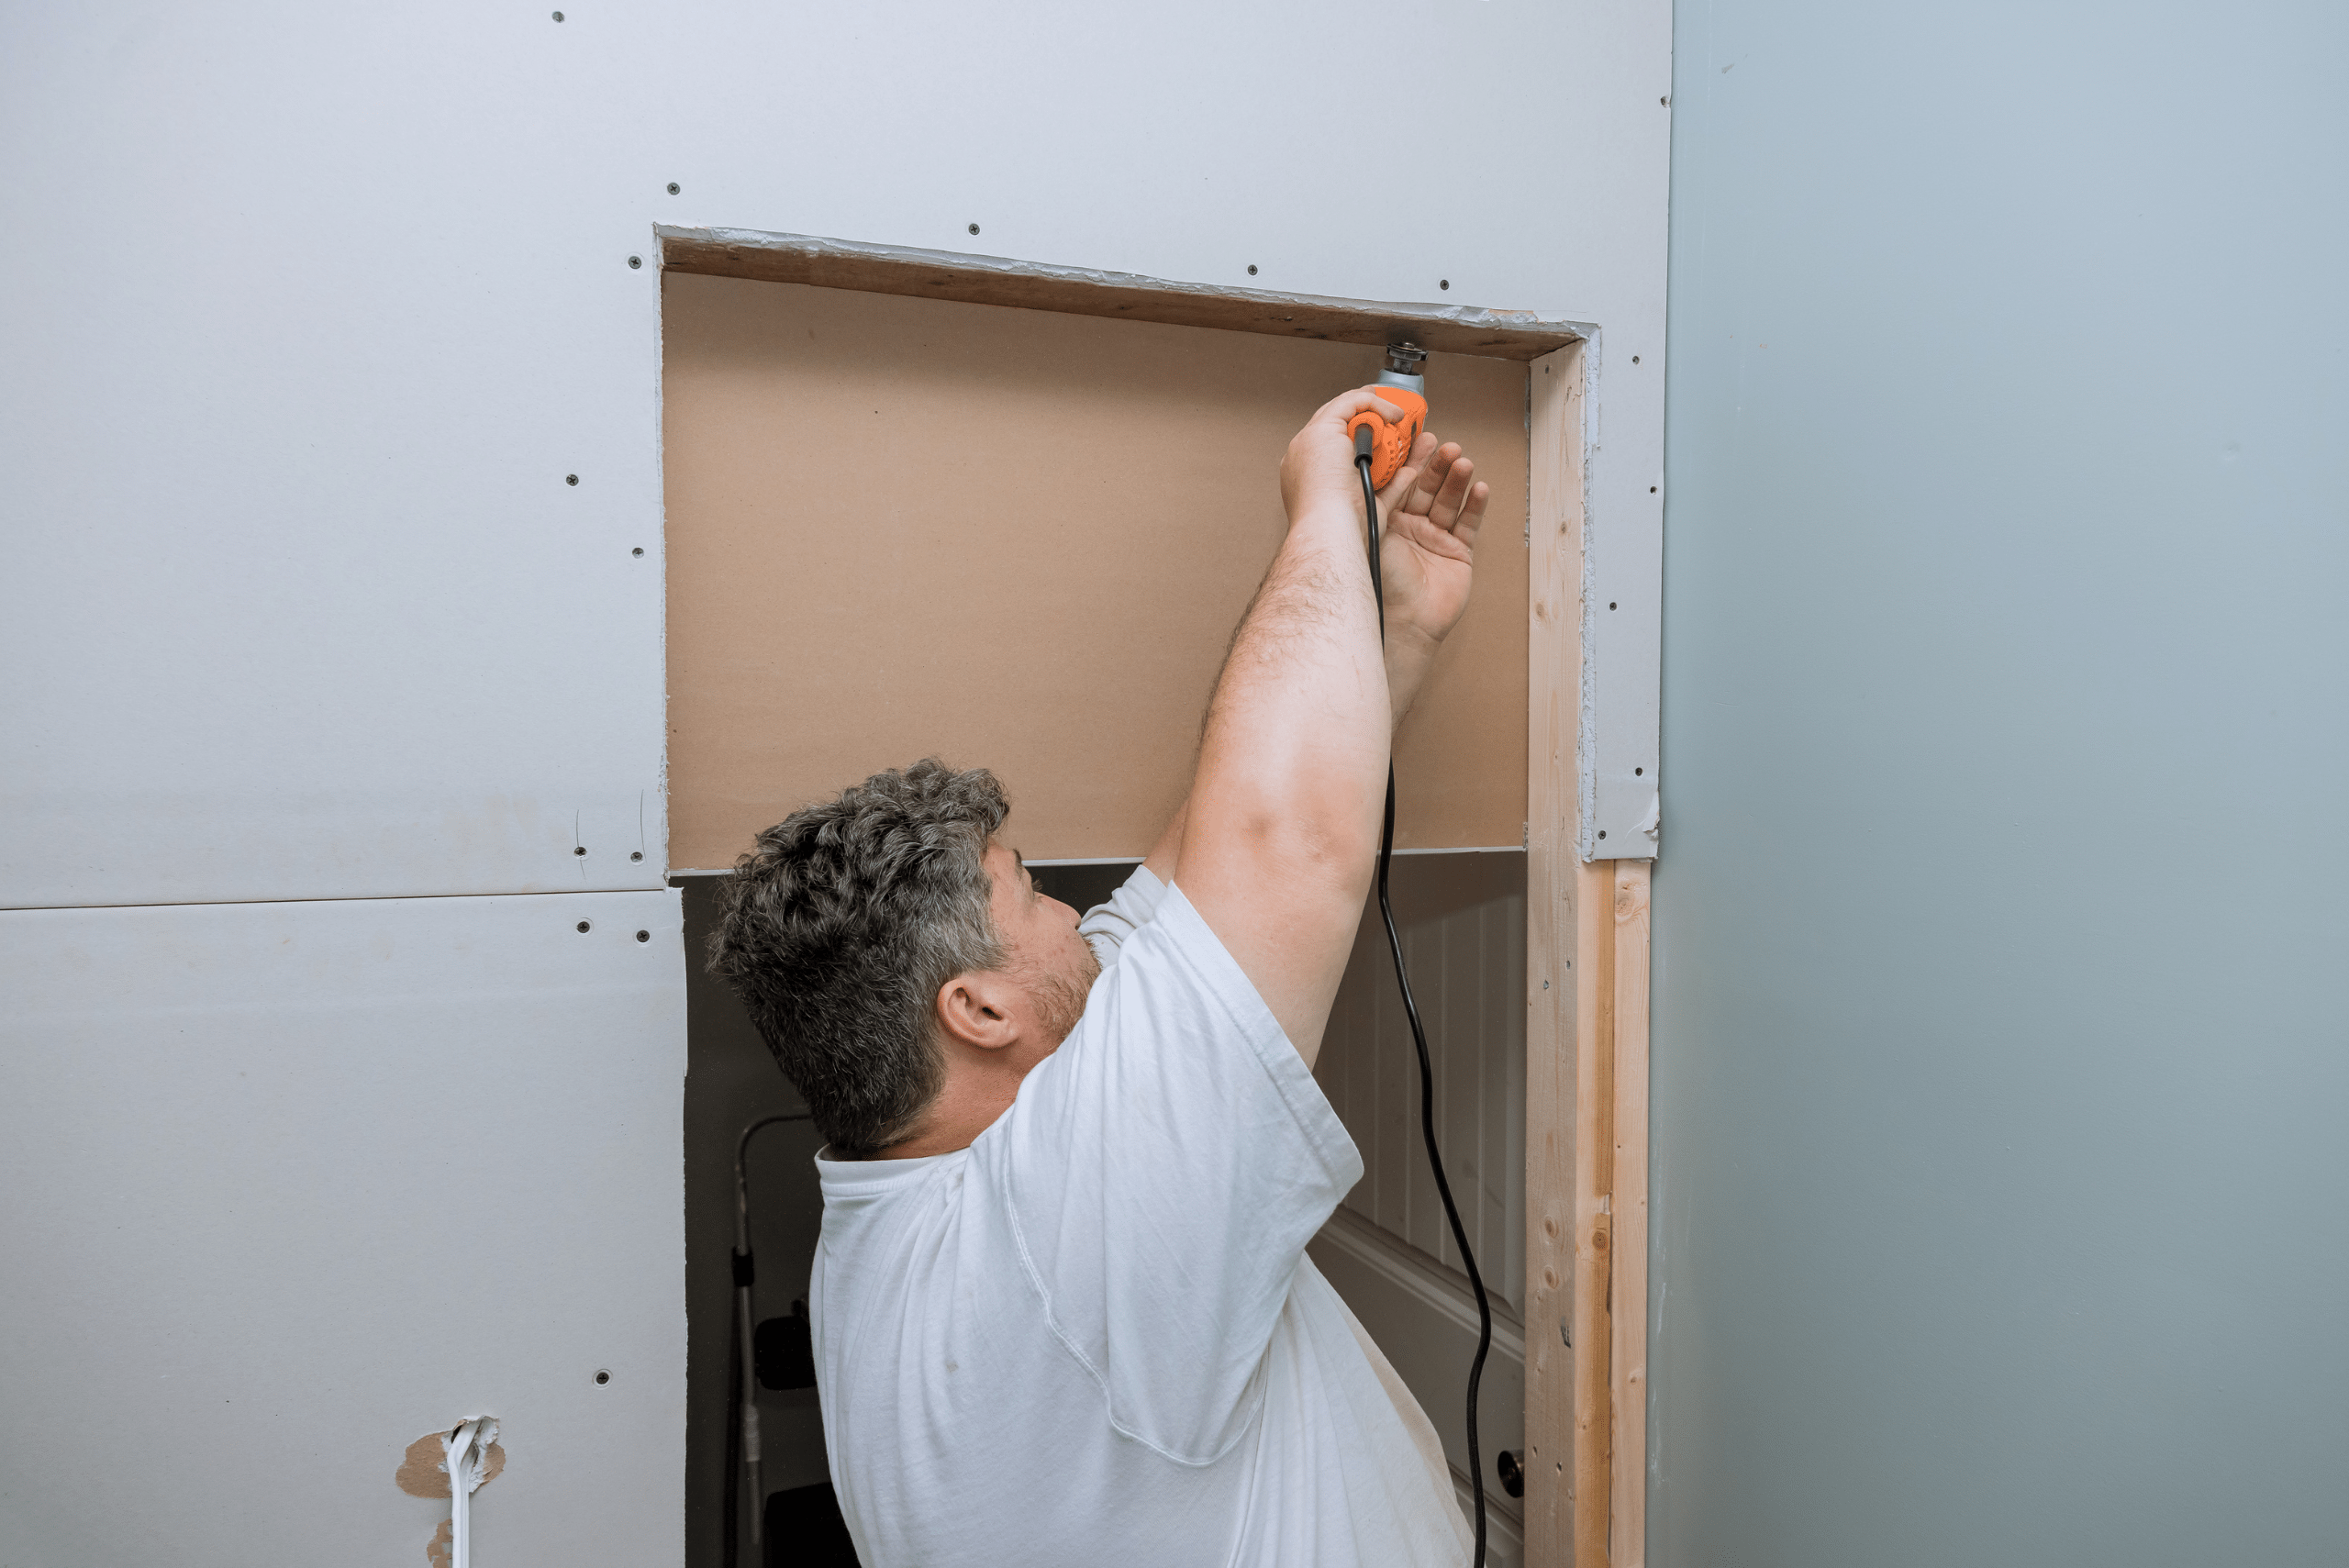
x: 1431, y: 513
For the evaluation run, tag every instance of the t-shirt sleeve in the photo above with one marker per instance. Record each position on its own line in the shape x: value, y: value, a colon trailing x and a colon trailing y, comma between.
x: 1106, y: 925
x: 1162, y: 1173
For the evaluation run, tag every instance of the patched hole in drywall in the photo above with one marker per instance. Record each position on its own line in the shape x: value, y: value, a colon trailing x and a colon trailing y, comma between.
x: 424, y: 1468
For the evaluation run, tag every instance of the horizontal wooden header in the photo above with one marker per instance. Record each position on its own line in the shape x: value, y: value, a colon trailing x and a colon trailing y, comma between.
x: 1083, y: 291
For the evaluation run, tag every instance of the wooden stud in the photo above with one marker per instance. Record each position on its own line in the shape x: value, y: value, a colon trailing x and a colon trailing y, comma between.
x: 1594, y: 1224
x: 1554, y: 915
x: 1628, y: 1383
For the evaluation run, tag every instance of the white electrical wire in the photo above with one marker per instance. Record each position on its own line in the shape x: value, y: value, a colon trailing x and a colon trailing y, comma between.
x: 468, y: 1459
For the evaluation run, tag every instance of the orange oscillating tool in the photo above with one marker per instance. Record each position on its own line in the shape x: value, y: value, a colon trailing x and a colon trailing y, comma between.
x: 1401, y: 384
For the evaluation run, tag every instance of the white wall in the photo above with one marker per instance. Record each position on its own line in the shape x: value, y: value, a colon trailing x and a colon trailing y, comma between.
x: 308, y: 311
x: 2000, y: 1061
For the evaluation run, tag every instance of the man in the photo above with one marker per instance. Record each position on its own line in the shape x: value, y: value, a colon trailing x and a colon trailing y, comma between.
x: 1063, y: 1310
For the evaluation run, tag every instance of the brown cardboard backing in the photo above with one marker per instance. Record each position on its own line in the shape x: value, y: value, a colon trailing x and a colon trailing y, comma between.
x: 1018, y: 539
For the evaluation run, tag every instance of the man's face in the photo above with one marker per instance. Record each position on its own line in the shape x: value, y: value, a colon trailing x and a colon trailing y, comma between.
x: 1042, y: 948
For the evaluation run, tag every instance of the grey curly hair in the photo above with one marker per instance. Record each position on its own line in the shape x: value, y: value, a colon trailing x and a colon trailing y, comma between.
x: 838, y: 929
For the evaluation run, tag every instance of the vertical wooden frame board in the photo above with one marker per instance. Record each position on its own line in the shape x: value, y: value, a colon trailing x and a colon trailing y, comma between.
x: 1552, y: 904
x: 1592, y: 1466
x: 1627, y: 912
x: 1020, y: 538
x: 1587, y: 975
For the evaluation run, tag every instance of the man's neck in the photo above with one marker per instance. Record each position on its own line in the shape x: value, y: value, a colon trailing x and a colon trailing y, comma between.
x: 972, y: 1100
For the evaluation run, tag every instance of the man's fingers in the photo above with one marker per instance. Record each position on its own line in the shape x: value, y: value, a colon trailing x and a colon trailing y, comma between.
x: 1346, y: 404
x: 1414, y: 489
x: 1472, y: 516
x: 1454, y: 496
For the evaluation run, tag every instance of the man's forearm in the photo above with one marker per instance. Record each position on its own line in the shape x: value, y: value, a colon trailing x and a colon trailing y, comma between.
x: 1411, y: 654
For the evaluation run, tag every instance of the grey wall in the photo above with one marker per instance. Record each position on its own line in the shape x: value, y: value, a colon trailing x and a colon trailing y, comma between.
x: 1999, y: 1170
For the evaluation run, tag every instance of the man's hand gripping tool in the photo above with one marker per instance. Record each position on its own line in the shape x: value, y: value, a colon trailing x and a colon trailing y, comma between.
x: 1402, y: 384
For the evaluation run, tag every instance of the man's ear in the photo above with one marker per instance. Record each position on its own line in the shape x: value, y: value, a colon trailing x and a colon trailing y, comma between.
x: 975, y: 1008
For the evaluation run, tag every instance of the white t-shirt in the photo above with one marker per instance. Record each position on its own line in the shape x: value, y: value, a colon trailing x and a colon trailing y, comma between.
x: 1093, y: 1337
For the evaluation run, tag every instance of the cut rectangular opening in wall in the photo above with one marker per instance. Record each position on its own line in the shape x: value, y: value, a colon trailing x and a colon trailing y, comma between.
x: 922, y: 504
x: 1020, y: 538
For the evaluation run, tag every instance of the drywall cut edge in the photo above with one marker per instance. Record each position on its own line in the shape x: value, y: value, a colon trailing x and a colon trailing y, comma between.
x: 1085, y: 291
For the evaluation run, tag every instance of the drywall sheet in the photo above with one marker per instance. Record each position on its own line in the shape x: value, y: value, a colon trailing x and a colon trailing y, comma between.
x: 1018, y: 539
x: 298, y: 603
x: 290, y: 1184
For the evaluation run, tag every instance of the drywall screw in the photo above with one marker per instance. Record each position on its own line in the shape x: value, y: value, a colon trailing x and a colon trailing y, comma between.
x: 674, y: 188
x: 635, y: 854
x: 644, y: 936
x: 1251, y: 269
x: 637, y: 550
x: 570, y: 479
x: 602, y: 1377
x: 636, y: 261
x: 1635, y: 358
x: 974, y: 228
x: 1444, y: 283
x: 582, y: 849
x: 583, y: 925
x: 558, y: 16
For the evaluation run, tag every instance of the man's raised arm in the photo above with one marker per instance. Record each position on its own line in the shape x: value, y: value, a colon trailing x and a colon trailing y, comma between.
x: 1277, y: 845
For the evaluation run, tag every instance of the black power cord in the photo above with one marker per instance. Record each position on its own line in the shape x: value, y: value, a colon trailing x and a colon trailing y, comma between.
x: 1419, y: 1031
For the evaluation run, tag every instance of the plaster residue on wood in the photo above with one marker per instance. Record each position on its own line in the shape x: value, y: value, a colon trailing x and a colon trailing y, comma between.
x: 1087, y: 291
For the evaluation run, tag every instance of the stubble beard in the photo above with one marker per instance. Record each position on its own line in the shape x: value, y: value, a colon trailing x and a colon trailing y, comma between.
x: 1059, y: 998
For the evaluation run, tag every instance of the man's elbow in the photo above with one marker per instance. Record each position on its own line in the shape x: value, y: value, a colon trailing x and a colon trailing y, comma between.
x: 1311, y: 853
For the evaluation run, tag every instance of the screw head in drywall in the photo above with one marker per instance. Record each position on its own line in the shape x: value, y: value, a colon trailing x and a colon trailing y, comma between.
x: 582, y: 849
x: 1251, y: 269
x: 558, y: 16
x: 1602, y: 832
x: 674, y: 188
x: 1635, y: 358
x: 1639, y: 772
x: 1444, y: 283
x: 583, y: 925
x: 644, y: 936
x: 570, y: 479
x: 636, y: 261
x: 602, y: 1377
x: 637, y: 550
x: 974, y: 228
x: 635, y: 854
